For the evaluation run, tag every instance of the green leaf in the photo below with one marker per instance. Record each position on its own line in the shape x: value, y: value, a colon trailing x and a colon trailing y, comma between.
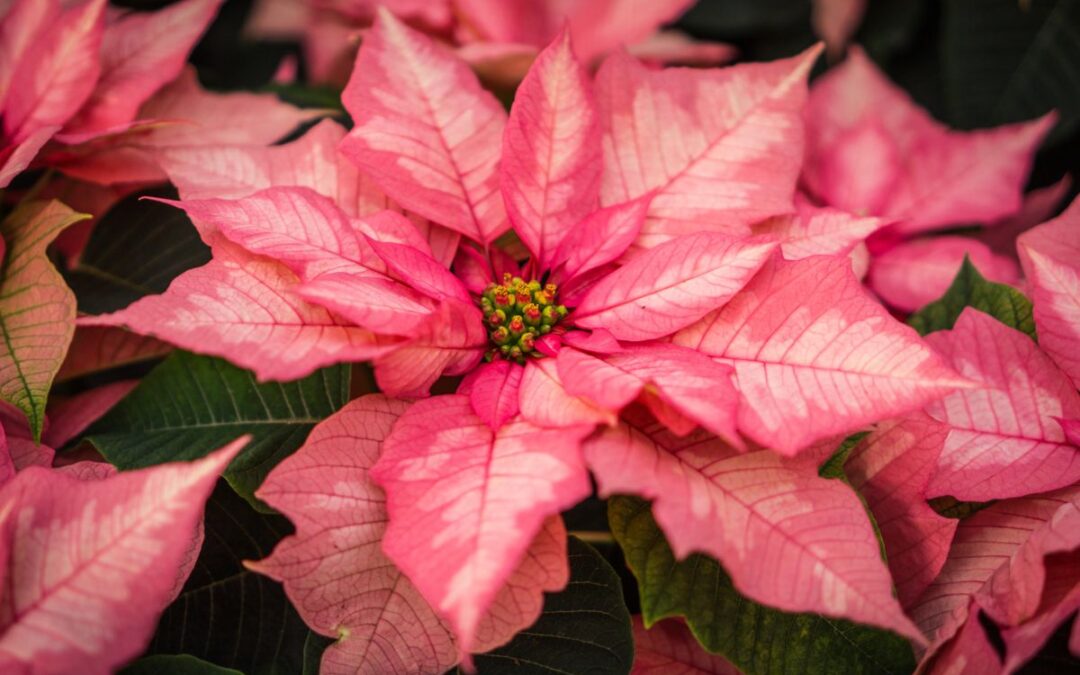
x: 584, y: 628
x: 756, y: 638
x: 37, y: 311
x: 950, y: 507
x: 137, y: 248
x: 971, y: 289
x: 314, y: 646
x: 834, y: 465
x: 191, y: 405
x: 175, y: 664
x: 1011, y: 60
x: 227, y: 614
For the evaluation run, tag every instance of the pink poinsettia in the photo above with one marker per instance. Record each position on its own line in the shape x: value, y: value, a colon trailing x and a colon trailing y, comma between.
x: 638, y: 309
x: 872, y: 151
x: 499, y: 38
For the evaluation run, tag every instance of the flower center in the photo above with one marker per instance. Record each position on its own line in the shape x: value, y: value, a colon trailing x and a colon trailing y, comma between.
x: 516, y: 313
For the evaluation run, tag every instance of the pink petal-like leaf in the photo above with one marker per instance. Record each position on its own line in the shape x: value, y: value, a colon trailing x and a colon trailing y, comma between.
x: 97, y: 348
x: 426, y: 131
x: 57, y: 69
x: 913, y: 274
x: 294, y: 225
x: 871, y: 149
x: 375, y: 303
x: 686, y: 380
x: 669, y: 648
x: 815, y: 357
x: 37, y: 309
x: 671, y: 286
x: 420, y: 271
x: 1050, y: 254
x: 340, y: 581
x: 14, y: 159
x: 602, y: 237
x: 818, y: 231
x: 1004, y: 439
x: 550, y: 171
x: 97, y: 561
x: 774, y: 525
x: 600, y: 26
x: 835, y: 21
x: 1007, y: 537
x: 333, y: 568
x: 181, y: 114
x: 311, y: 161
x: 140, y: 53
x: 891, y: 468
x: 246, y: 309
x: 1060, y: 601
x: 448, y: 341
x: 69, y: 417
x: 493, y: 392
x: 544, y: 400
x: 721, y: 148
x: 465, y: 502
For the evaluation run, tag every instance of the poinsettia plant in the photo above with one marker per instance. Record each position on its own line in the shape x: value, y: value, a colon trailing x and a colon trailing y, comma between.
x: 534, y: 356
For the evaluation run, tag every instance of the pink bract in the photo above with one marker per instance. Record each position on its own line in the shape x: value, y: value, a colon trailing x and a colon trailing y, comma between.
x: 73, y: 536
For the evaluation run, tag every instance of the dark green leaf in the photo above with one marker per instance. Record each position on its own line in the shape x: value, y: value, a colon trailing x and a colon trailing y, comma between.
x: 834, y: 465
x: 175, y: 664
x: 756, y: 638
x: 137, y: 249
x: 1011, y: 60
x: 584, y: 628
x: 226, y: 614
x: 191, y: 405
x: 314, y: 646
x: 971, y: 289
x: 950, y: 507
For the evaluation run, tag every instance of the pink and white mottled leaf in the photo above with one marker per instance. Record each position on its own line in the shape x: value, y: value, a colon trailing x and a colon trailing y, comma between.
x: 815, y: 356
x: 37, y: 309
x: 669, y: 648
x: 426, y: 132
x: 465, y: 502
x: 891, y: 468
x: 1005, y: 439
x: 246, y: 309
x: 450, y: 341
x: 311, y: 161
x: 294, y: 225
x: 818, y: 231
x: 671, y: 286
x: 493, y: 392
x: 871, y: 150
x: 913, y: 274
x: 420, y: 270
x: 69, y: 417
x: 337, y: 576
x: 720, y: 148
x: 545, y: 402
x: 97, y: 561
x: 371, y: 302
x: 14, y: 159
x: 333, y: 568
x: 57, y: 67
x: 1050, y: 254
x: 683, y: 379
x: 181, y: 114
x: 97, y: 348
x: 990, y: 543
x: 788, y: 537
x: 551, y: 156
x: 602, y: 237
x: 140, y: 53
